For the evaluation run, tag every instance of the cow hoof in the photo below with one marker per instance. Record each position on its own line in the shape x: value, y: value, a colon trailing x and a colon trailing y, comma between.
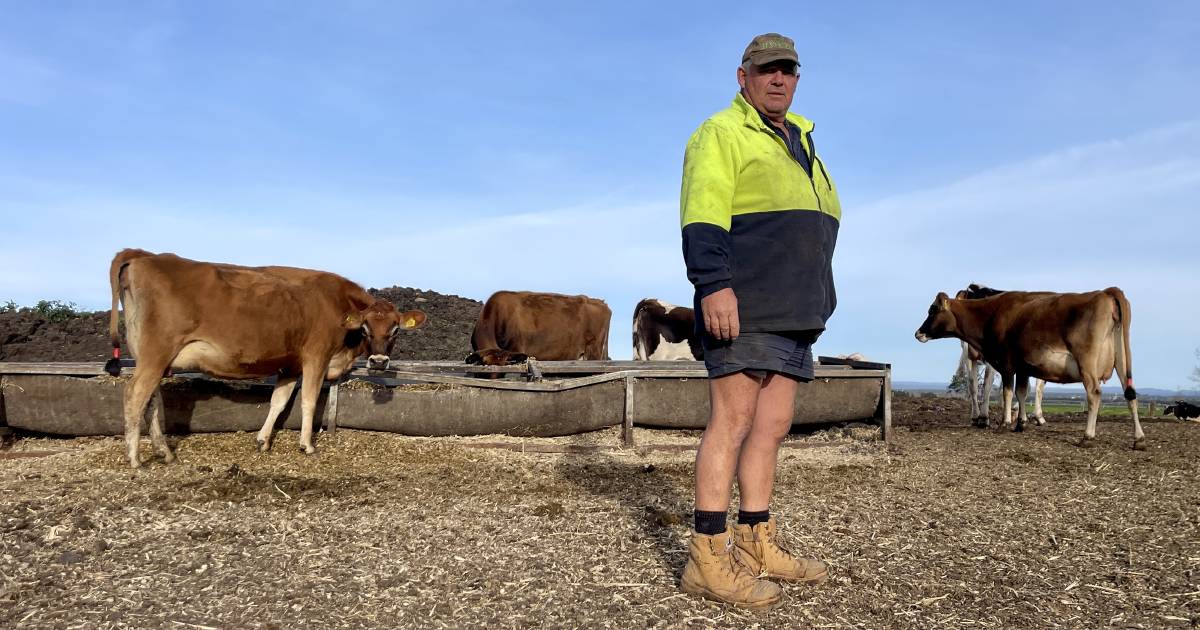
x: 308, y: 450
x: 1139, y: 445
x: 263, y: 445
x: 1086, y: 442
x: 169, y: 457
x: 135, y: 464
x: 1019, y: 428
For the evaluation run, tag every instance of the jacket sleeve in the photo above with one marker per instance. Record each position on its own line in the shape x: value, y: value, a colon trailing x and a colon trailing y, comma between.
x: 706, y: 207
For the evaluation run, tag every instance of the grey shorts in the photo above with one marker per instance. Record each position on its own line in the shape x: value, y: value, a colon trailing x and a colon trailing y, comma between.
x: 757, y: 353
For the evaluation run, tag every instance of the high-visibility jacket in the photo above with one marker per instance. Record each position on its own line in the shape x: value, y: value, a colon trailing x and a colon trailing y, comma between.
x: 755, y: 220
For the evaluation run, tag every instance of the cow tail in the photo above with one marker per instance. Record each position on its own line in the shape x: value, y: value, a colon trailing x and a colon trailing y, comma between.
x: 119, y: 262
x: 639, y: 344
x: 1124, y: 353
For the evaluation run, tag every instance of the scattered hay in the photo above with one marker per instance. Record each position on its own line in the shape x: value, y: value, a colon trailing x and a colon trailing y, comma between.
x: 947, y: 527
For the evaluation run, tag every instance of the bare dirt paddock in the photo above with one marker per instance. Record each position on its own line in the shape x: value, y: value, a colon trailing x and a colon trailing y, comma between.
x: 949, y: 527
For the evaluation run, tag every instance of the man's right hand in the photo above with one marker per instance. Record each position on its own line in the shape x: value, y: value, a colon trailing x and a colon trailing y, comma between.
x: 721, y: 314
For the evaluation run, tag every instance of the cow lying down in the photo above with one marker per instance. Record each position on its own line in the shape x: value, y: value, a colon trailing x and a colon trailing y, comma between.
x: 1183, y: 410
x: 239, y: 322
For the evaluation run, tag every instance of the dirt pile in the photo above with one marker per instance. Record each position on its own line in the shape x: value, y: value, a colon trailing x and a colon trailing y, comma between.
x: 63, y: 334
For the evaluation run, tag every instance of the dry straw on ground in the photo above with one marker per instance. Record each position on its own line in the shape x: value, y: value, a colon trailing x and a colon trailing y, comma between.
x: 948, y: 527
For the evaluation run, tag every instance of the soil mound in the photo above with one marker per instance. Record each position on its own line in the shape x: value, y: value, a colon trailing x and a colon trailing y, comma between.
x: 59, y: 333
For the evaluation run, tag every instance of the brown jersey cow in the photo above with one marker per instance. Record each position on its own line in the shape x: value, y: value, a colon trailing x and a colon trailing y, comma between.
x: 515, y: 325
x: 1057, y: 337
x: 238, y: 322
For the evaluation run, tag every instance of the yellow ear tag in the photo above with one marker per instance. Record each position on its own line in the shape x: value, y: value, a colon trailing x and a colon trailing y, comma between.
x: 410, y: 322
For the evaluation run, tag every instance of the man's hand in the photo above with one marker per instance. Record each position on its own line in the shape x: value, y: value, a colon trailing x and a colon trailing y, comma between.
x: 721, y: 314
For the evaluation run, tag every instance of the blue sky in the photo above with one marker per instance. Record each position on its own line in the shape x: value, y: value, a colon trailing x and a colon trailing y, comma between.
x: 468, y: 148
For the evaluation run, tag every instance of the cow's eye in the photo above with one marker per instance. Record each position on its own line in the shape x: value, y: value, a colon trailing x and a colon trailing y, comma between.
x: 394, y: 331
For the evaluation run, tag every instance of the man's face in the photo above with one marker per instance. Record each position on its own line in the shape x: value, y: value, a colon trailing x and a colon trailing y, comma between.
x: 770, y: 87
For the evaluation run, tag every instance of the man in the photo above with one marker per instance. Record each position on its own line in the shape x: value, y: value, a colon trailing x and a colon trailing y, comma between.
x: 760, y: 219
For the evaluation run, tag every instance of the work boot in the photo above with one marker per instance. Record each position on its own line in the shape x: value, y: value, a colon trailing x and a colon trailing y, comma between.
x: 765, y: 558
x: 715, y: 571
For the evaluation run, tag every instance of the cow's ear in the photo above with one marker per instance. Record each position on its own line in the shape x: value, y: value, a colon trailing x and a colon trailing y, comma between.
x: 943, y: 301
x: 474, y: 359
x: 412, y: 319
x: 352, y: 321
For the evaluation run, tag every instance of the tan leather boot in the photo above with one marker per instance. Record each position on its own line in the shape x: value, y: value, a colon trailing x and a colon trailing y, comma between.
x: 715, y: 571
x: 764, y: 557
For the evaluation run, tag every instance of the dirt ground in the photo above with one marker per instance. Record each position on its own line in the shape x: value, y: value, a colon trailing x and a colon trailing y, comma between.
x: 948, y: 527
x: 29, y: 335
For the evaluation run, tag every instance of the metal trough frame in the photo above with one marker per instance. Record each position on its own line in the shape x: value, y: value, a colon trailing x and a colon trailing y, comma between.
x: 52, y: 398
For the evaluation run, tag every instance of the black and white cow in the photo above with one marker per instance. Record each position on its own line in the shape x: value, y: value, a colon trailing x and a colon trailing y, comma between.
x: 664, y: 332
x: 971, y: 360
x: 1183, y: 410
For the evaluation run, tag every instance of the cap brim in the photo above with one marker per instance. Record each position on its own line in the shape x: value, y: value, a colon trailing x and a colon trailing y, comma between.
x: 768, y: 56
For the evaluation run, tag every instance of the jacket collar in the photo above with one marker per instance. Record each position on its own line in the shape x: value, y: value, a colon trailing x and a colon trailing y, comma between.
x: 753, y: 119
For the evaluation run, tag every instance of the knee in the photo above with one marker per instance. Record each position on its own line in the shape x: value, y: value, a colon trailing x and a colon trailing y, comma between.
x: 773, y: 429
x: 731, y: 425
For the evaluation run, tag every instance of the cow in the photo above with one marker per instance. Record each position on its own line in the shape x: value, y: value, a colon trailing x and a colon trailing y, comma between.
x: 665, y: 332
x: 1183, y: 410
x: 1058, y: 337
x: 970, y: 361
x: 516, y: 325
x: 236, y: 322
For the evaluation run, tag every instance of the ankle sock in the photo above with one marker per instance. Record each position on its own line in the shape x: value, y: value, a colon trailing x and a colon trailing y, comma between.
x: 753, y: 518
x: 709, y: 523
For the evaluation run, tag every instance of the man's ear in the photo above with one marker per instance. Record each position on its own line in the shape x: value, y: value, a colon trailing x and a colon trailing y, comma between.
x: 353, y: 320
x: 410, y: 320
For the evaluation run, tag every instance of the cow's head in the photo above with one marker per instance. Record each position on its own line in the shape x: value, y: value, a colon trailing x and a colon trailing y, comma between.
x: 940, y: 323
x: 377, y: 327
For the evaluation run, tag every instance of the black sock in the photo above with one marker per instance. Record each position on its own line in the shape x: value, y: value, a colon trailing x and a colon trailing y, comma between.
x: 710, y: 523
x: 753, y: 518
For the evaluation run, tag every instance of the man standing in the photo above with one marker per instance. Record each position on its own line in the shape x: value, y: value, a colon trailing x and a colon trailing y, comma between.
x: 760, y: 219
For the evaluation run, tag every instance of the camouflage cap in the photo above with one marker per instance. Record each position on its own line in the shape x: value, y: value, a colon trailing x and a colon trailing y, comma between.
x: 770, y: 47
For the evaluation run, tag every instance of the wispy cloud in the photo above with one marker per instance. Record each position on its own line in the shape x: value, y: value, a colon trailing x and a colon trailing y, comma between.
x: 1117, y: 212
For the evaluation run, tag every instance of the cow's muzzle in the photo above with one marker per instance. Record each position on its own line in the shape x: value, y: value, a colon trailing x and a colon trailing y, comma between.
x: 378, y: 362
x: 922, y: 337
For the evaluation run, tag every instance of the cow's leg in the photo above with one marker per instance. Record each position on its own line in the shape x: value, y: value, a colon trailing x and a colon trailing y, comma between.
x: 972, y: 389
x: 279, y: 399
x: 138, y: 391
x: 1038, y: 391
x: 1006, y: 395
x: 989, y: 375
x: 310, y: 391
x: 155, y: 411
x: 1091, y: 386
x: 1022, y: 387
x: 1133, y: 406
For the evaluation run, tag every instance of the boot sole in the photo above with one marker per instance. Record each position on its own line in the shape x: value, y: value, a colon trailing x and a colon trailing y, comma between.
x: 707, y: 594
x: 812, y: 581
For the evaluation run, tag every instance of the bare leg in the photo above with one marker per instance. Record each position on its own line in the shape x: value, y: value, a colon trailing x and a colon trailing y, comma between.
x: 760, y: 451
x: 734, y: 400
x: 279, y: 399
x: 154, y: 413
